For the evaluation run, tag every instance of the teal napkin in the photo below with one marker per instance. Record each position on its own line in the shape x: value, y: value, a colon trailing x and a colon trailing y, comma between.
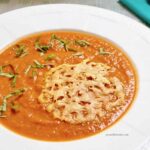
x: 140, y: 7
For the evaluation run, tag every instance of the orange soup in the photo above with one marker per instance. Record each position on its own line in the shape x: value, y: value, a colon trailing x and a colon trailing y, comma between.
x: 64, y: 85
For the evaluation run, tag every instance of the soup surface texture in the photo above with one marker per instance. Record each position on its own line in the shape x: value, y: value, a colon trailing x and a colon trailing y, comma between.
x: 64, y: 85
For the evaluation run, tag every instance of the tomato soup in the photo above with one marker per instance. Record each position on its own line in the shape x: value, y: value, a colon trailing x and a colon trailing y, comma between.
x: 23, y: 66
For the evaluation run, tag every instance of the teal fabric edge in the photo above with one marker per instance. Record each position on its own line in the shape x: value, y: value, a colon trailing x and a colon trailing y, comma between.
x: 140, y: 7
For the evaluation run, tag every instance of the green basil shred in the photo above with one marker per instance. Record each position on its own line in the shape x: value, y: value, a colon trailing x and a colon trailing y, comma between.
x: 42, y: 48
x: 21, y: 51
x: 3, y: 106
x: 103, y: 52
x: 63, y: 43
x: 50, y: 57
x: 36, y: 65
x: 12, y: 76
x: 82, y: 43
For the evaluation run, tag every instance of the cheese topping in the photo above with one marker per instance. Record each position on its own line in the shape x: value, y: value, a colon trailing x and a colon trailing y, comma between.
x: 82, y: 92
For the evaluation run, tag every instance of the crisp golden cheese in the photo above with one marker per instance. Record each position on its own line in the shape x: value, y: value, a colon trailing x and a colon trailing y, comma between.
x: 81, y: 92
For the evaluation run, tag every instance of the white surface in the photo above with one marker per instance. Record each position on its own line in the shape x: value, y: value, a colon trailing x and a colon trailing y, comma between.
x: 133, y: 37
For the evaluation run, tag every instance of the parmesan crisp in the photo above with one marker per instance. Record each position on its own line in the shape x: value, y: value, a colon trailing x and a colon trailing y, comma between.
x: 78, y: 93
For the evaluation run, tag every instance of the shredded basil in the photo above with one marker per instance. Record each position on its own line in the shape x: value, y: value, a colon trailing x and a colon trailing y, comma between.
x: 3, y: 107
x: 21, y: 51
x: 1, y: 68
x: 15, y: 93
x: 103, y: 52
x: 9, y: 75
x: 78, y: 54
x: 34, y: 73
x: 54, y: 37
x: 28, y: 69
x: 50, y: 57
x: 15, y: 107
x: 37, y: 65
x: 63, y: 43
x: 72, y: 50
x: 42, y: 48
x: 14, y: 79
x: 82, y: 43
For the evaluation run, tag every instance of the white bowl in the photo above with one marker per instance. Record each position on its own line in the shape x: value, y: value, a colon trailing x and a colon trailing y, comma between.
x: 133, y: 130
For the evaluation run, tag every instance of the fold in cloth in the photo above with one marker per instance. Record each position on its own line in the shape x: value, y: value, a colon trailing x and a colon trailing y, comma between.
x: 140, y: 7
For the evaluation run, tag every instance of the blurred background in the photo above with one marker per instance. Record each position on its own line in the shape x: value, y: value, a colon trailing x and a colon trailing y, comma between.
x: 7, y: 5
